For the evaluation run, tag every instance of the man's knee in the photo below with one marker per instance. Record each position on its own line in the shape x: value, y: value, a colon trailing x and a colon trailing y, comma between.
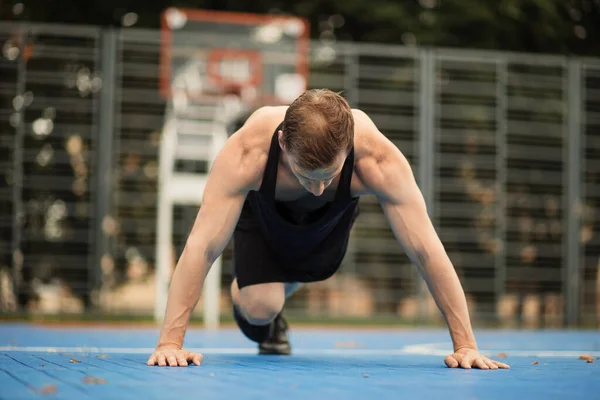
x: 235, y: 292
x: 259, y: 312
x: 259, y: 304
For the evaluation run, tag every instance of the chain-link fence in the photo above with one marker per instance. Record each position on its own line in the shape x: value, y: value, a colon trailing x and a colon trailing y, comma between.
x: 505, y: 148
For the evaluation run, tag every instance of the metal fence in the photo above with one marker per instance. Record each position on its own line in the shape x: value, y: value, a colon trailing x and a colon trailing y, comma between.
x: 506, y: 149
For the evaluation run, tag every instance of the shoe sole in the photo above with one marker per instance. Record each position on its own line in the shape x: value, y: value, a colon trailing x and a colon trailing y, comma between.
x: 275, y: 349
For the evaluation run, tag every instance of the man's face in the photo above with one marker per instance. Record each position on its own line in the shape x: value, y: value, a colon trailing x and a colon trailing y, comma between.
x: 316, y: 181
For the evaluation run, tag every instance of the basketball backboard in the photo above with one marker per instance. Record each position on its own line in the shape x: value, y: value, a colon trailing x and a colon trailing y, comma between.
x: 260, y: 58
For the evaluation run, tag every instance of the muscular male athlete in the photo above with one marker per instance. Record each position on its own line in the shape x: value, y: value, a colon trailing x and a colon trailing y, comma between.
x: 286, y: 185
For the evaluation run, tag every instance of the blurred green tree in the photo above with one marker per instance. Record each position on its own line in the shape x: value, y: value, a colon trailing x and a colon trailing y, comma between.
x: 548, y: 26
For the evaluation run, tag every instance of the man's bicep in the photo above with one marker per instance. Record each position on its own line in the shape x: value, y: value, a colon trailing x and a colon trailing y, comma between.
x: 411, y: 225
x: 222, y: 202
x: 406, y: 211
x: 388, y: 175
x: 216, y: 221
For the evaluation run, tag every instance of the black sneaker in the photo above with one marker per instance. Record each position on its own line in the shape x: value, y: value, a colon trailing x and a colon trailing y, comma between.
x: 277, y: 343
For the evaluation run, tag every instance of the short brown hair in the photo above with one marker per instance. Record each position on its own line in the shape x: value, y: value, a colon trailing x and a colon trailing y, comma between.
x: 317, y: 127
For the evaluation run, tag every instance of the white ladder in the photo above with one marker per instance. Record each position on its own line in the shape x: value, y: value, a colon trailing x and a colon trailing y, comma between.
x: 195, y: 131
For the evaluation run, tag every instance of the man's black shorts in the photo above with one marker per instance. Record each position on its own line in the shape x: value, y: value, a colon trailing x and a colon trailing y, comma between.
x: 256, y: 262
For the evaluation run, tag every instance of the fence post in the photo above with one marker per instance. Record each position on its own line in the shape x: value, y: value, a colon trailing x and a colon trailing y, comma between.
x: 104, y: 153
x: 573, y: 177
x: 351, y: 92
x: 351, y: 74
x: 501, y: 177
x: 17, y: 195
x: 426, y: 175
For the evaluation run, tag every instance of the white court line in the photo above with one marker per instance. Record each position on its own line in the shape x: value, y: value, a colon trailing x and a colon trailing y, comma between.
x: 442, y: 349
x: 429, y: 349
x: 203, y: 350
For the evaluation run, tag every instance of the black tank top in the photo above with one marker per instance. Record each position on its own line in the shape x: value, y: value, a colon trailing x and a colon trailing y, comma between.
x: 295, y: 235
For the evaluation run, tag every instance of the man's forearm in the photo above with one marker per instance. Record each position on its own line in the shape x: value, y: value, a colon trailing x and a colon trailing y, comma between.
x: 184, y: 293
x: 447, y: 291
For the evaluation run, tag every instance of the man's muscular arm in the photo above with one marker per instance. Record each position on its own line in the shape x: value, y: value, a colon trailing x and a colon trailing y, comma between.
x: 234, y: 172
x: 388, y: 175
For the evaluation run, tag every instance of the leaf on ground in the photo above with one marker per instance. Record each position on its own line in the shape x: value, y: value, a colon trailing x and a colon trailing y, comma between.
x: 91, y: 380
x: 48, y: 389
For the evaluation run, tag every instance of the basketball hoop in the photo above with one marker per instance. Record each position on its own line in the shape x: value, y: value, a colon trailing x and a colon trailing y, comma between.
x: 234, y: 70
x: 261, y: 59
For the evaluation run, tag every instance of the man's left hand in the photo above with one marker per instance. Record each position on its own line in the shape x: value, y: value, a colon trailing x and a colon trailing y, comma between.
x: 468, y: 358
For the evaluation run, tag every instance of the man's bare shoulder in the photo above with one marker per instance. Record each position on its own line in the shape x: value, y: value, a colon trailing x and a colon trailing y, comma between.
x: 248, y: 148
x: 253, y: 139
x: 260, y: 126
x: 369, y: 142
x: 377, y: 159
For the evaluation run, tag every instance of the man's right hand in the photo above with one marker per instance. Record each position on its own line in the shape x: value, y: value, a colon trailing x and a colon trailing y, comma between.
x: 173, y: 356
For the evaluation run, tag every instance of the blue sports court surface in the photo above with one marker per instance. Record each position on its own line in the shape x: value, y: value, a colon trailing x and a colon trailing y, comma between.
x: 38, y: 361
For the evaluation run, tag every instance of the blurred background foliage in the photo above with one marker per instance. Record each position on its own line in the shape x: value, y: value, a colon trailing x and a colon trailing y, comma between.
x: 547, y: 26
